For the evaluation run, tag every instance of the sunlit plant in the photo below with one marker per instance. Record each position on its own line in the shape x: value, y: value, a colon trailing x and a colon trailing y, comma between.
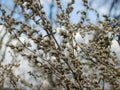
x: 64, y: 63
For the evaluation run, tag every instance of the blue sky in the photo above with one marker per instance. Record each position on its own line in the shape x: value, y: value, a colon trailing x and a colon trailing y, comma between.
x: 8, y: 5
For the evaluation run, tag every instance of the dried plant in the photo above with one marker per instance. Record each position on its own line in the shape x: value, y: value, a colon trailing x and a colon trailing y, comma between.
x: 60, y: 64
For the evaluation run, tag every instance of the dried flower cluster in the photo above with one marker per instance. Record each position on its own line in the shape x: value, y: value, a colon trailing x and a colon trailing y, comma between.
x: 65, y: 65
